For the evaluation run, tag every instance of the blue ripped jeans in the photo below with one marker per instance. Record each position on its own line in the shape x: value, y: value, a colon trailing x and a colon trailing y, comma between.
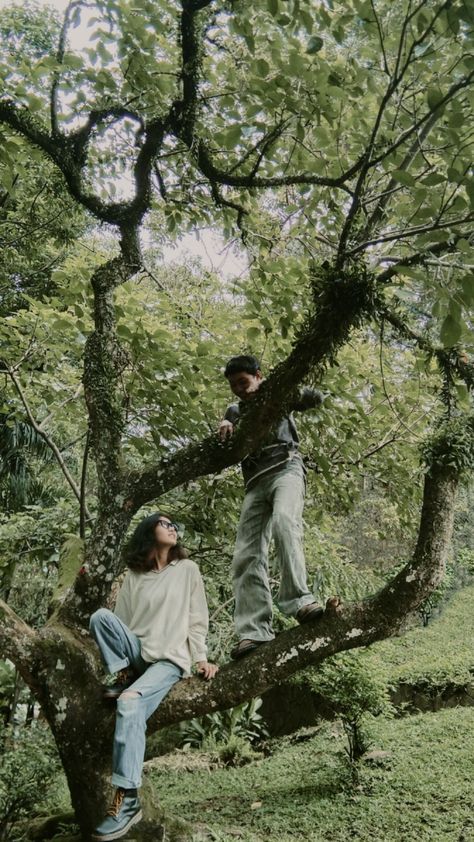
x: 120, y: 648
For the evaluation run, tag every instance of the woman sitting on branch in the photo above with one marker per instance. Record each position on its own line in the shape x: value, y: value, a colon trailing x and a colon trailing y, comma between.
x: 158, y: 629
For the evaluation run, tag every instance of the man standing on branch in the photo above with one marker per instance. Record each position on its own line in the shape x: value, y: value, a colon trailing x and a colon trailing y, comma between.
x: 275, y: 482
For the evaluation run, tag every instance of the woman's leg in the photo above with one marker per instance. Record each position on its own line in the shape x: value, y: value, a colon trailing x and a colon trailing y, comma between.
x: 134, y: 707
x: 118, y: 646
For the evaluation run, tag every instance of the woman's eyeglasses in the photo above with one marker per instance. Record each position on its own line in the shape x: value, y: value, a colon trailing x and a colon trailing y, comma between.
x: 167, y: 524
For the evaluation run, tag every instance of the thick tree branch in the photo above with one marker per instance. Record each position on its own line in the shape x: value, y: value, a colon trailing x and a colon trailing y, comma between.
x: 231, y: 179
x: 104, y: 362
x: 69, y: 153
x: 83, y: 505
x: 340, y: 629
x: 409, y: 233
x: 341, y: 304
x: 191, y: 50
x: 421, y: 257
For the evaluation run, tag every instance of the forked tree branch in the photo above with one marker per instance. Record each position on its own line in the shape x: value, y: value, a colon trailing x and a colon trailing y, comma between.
x: 421, y: 257
x: 341, y: 627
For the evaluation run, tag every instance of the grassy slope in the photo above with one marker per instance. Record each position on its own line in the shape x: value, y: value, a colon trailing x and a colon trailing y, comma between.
x: 444, y: 650
x: 423, y: 790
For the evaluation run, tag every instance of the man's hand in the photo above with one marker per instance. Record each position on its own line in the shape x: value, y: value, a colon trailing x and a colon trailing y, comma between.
x: 225, y: 430
x: 206, y: 669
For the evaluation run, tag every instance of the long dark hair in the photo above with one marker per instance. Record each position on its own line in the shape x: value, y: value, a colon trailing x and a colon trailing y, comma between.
x: 138, y: 550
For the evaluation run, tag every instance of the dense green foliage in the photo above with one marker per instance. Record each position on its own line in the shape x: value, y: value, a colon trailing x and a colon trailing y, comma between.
x: 381, y: 90
x: 28, y: 775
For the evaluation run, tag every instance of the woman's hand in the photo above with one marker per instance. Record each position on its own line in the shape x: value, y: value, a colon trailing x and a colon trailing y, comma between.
x: 206, y: 669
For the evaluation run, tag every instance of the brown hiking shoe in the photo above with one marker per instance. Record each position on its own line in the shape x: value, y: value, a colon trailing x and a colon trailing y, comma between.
x: 245, y: 647
x: 310, y: 612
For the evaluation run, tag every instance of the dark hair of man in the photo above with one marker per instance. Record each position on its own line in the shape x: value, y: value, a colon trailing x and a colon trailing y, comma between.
x: 244, y: 362
x: 138, y: 551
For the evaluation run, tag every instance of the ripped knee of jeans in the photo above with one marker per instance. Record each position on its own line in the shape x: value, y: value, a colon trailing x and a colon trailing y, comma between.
x: 129, y: 694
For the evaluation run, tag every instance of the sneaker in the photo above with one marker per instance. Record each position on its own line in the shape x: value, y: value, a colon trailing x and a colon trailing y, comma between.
x: 124, y: 812
x: 123, y: 680
x: 310, y: 612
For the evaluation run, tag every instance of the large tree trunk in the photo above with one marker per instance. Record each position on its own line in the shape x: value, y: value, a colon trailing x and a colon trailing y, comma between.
x: 66, y: 669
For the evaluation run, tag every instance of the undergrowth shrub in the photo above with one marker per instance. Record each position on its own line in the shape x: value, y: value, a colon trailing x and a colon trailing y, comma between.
x: 231, y: 734
x: 29, y: 768
x: 355, y: 690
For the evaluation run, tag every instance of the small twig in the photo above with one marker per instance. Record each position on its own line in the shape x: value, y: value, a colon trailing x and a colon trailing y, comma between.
x: 60, y: 405
x: 83, y: 508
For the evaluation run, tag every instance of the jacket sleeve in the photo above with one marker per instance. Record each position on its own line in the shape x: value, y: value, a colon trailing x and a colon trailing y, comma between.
x: 308, y: 399
x: 198, y: 619
x: 232, y: 413
x: 123, y: 606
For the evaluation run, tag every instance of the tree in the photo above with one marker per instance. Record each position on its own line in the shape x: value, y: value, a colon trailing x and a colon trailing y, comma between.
x: 330, y: 140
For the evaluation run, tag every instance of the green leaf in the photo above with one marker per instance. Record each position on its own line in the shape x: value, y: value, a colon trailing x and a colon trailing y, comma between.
x: 433, y: 178
x: 467, y: 285
x: 315, y: 44
x: 403, y: 177
x: 434, y: 97
x: 463, y: 395
x: 464, y: 246
x: 454, y: 175
x: 253, y: 333
x: 233, y: 135
x: 451, y: 331
x: 262, y: 67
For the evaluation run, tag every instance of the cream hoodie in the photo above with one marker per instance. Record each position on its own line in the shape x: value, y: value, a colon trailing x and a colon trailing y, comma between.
x: 167, y: 610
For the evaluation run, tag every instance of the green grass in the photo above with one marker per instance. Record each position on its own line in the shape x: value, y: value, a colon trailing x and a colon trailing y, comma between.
x: 441, y: 652
x: 422, y: 790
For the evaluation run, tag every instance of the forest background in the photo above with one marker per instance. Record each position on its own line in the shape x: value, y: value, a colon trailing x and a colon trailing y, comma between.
x: 332, y: 145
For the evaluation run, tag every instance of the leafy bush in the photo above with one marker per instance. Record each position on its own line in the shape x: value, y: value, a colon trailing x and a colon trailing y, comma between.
x: 30, y: 764
x: 236, y: 751
x: 220, y: 728
x: 355, y: 690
